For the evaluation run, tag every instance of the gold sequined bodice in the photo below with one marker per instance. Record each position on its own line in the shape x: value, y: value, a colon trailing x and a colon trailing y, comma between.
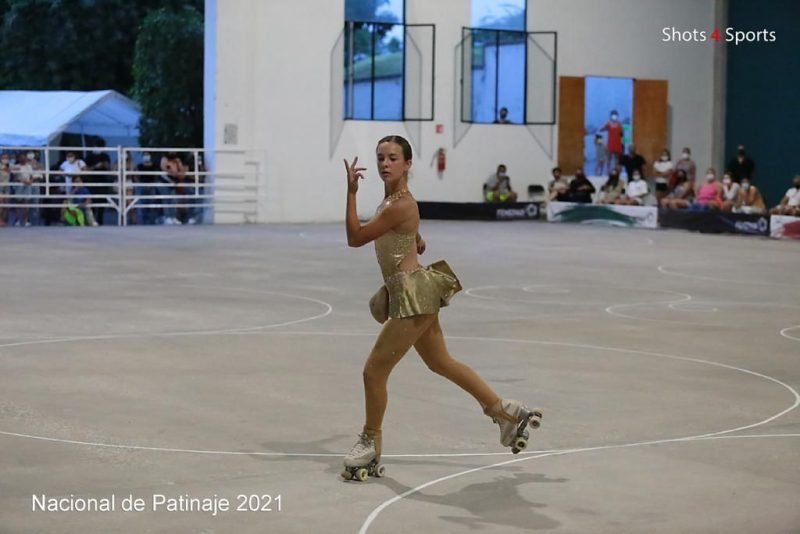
x: 392, y: 247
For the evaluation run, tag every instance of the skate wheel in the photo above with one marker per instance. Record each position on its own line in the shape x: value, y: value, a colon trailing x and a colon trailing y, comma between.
x: 520, y: 444
x: 537, y: 413
x: 380, y: 471
x: 535, y: 423
x: 346, y: 475
x: 362, y: 474
x: 514, y: 450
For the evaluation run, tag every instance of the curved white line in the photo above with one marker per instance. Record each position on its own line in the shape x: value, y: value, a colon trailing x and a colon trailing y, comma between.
x: 787, y: 336
x: 662, y: 269
x: 466, y: 338
x: 375, y: 512
x: 327, y: 312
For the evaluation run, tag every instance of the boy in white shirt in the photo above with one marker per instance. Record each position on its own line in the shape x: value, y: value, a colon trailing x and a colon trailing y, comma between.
x: 790, y: 203
x: 635, y: 191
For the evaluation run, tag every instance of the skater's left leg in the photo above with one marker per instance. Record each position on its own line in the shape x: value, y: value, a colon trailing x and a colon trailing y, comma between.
x: 431, y: 347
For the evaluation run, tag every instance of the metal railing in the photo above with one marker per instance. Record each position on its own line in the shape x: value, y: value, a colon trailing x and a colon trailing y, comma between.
x: 176, y: 186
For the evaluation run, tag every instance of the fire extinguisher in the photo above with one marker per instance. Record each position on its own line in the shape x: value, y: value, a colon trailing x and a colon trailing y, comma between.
x: 441, y: 160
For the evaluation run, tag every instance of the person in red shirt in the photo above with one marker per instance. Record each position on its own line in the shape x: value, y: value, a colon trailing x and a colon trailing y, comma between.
x: 614, y: 141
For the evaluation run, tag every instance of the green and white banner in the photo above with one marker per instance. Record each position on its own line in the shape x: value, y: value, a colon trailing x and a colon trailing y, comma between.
x: 631, y: 216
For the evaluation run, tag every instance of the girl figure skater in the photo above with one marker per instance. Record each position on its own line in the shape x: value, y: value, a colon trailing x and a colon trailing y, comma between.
x: 415, y: 294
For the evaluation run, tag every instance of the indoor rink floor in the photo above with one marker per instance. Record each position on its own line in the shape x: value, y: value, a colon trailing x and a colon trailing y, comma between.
x: 172, y: 364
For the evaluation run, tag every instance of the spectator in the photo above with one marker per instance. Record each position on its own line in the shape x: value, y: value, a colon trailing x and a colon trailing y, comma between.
x: 600, y: 155
x: 98, y: 160
x: 146, y: 187
x: 664, y: 168
x: 635, y: 191
x: 750, y: 199
x: 730, y: 192
x: 502, y: 117
x: 741, y: 166
x: 681, y: 195
x: 614, y: 142
x: 77, y: 209
x: 193, y: 213
x: 174, y: 173
x: 580, y: 189
x: 5, y: 178
x: 558, y: 187
x: 613, y: 189
x: 790, y: 203
x: 633, y: 162
x: 687, y: 165
x: 498, y: 187
x: 69, y: 166
x: 710, y: 193
x: 23, y: 189
x: 36, y: 184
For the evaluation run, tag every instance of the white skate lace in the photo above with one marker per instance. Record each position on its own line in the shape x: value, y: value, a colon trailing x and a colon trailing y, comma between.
x: 364, y: 444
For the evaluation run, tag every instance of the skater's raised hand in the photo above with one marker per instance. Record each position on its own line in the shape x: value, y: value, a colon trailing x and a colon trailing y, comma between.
x: 353, y: 174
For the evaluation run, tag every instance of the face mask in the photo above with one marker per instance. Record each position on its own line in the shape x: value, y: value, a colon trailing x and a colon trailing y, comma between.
x: 710, y: 177
x: 146, y: 159
x: 501, y: 174
x: 745, y: 185
x: 31, y: 155
x: 71, y: 160
x: 613, y: 117
x: 685, y: 155
x: 637, y: 176
x: 664, y: 158
x: 726, y: 181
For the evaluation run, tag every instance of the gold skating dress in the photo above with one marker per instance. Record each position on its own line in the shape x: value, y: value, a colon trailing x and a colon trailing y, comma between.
x: 418, y: 291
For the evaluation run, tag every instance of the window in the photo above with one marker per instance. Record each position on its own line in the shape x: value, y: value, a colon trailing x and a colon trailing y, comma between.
x: 387, y: 64
x: 505, y: 68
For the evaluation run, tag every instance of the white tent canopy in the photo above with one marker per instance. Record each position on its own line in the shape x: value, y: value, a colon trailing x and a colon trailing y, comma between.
x: 38, y: 118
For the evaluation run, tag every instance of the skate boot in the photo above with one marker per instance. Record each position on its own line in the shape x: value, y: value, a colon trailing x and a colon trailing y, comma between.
x: 363, y: 459
x: 514, y: 418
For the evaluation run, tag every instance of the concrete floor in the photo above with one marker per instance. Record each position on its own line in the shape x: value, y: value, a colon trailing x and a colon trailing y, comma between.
x: 213, y: 362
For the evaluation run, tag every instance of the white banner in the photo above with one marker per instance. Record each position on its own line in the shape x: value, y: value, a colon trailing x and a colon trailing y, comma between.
x: 610, y: 214
x: 784, y: 226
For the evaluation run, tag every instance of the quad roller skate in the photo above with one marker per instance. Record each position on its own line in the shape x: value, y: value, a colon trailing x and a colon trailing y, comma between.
x: 363, y: 461
x: 514, y: 419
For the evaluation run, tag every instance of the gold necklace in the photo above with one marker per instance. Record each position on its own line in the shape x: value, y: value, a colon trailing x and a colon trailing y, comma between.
x: 396, y: 195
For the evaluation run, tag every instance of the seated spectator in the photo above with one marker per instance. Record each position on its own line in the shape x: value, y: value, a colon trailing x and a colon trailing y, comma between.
x: 709, y: 195
x: 174, y: 173
x: 613, y: 189
x: 558, y: 186
x: 687, y: 165
x: 23, y: 189
x: 681, y: 195
x: 750, y: 199
x: 77, y: 209
x: 498, y: 187
x: 600, y: 155
x: 730, y: 192
x: 580, y: 189
x: 664, y: 168
x: 145, y: 187
x: 790, y: 203
x: 635, y: 191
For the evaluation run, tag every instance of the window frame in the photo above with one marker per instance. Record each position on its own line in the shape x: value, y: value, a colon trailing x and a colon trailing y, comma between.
x: 469, y: 31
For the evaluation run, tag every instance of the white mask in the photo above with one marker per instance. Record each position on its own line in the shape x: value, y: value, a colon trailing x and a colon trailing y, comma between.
x: 710, y: 177
x: 685, y: 155
x: 745, y: 185
x: 664, y: 158
x: 637, y: 176
x: 30, y: 155
x: 502, y: 174
x: 726, y: 181
x: 613, y: 117
x: 146, y: 159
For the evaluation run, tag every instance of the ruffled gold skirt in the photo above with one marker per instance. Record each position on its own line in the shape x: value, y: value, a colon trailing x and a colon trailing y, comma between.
x: 418, y: 292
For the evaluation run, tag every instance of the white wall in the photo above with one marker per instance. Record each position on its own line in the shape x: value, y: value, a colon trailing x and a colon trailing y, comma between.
x: 273, y: 75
